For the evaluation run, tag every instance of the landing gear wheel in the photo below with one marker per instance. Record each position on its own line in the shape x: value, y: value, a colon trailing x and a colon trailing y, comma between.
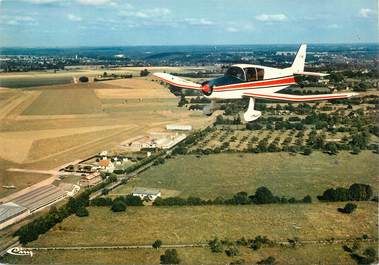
x: 251, y: 114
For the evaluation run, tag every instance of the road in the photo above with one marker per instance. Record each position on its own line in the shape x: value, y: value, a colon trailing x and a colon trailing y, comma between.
x: 193, y: 245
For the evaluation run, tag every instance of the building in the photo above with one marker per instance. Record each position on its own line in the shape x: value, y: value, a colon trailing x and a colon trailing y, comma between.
x: 11, y: 213
x: 144, y: 193
x: 90, y: 180
x: 153, y: 141
x: 106, y: 165
x: 41, y: 197
x: 178, y: 127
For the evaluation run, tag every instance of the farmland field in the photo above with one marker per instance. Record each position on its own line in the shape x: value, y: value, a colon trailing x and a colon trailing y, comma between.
x: 45, y: 127
x: 201, y: 223
x: 308, y: 254
x: 286, y: 175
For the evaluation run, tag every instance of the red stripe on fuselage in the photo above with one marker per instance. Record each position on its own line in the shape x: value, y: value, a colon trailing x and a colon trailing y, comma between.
x: 295, y: 98
x: 275, y: 82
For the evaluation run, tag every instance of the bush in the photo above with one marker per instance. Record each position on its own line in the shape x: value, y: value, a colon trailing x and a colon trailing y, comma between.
x: 118, y: 206
x: 101, y: 201
x: 356, y: 192
x: 349, y: 208
x: 215, y: 245
x: 307, y: 151
x: 170, y: 257
x: 157, y: 244
x: 82, y: 212
x: 307, y: 199
x: 268, y: 261
x: 232, y: 251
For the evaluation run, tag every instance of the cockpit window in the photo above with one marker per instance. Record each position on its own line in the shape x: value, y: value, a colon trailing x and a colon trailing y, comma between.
x: 254, y: 74
x: 251, y: 74
x: 236, y: 72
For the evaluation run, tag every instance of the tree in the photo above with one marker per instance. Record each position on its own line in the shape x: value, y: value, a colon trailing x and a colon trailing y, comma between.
x: 170, y: 257
x: 104, y: 191
x: 307, y: 199
x: 144, y: 72
x: 118, y: 206
x: 331, y: 148
x: 241, y: 198
x: 215, y: 245
x: 349, y: 208
x: 307, y: 151
x: 232, y: 251
x: 82, y: 212
x: 262, y: 195
x: 268, y: 261
x: 360, y: 192
x: 157, y: 244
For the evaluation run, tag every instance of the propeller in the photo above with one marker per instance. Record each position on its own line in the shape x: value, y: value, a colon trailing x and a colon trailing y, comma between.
x: 206, y: 88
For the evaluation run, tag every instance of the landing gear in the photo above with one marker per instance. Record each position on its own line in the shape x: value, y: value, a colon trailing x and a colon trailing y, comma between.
x: 251, y: 114
x: 209, y: 109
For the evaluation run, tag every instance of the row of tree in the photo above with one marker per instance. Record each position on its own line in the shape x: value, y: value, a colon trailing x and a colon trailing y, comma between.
x: 356, y: 192
x: 262, y: 196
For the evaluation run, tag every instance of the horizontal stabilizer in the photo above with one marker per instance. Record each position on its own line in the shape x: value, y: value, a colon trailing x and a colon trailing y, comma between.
x: 177, y: 81
x: 311, y: 74
x: 297, y: 98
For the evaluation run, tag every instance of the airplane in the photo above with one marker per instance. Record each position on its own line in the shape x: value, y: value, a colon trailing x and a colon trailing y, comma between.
x: 254, y: 82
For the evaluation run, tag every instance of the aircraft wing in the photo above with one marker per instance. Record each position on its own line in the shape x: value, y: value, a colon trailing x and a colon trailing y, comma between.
x: 297, y: 98
x: 177, y: 81
x: 311, y: 74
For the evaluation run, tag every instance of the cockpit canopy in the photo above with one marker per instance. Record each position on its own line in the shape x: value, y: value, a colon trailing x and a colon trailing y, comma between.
x: 248, y: 74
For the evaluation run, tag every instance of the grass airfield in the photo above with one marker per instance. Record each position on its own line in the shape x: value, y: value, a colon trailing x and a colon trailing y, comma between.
x: 285, y: 175
x: 45, y: 127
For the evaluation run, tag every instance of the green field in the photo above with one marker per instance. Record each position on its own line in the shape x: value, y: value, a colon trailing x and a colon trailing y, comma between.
x: 286, y: 175
x: 65, y: 101
x: 308, y: 254
x: 26, y: 82
x: 175, y: 225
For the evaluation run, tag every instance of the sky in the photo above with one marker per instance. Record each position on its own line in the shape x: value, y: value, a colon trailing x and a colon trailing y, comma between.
x: 72, y: 23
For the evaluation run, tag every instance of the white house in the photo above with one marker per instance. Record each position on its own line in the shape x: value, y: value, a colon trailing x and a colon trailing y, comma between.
x: 145, y: 193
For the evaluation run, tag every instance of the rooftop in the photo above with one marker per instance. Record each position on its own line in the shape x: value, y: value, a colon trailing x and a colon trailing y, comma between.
x: 10, y: 210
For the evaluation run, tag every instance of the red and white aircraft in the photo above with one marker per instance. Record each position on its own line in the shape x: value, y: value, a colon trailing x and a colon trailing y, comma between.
x: 254, y: 81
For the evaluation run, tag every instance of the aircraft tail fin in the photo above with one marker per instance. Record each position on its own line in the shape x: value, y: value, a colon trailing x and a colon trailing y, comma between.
x: 298, y: 63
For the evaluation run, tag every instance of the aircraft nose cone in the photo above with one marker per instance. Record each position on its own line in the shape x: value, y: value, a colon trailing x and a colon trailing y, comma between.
x: 206, y: 88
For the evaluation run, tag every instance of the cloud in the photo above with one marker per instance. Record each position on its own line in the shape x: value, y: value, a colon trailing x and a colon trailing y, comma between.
x: 199, y: 21
x: 43, y: 1
x: 18, y: 20
x: 96, y: 2
x: 271, y: 17
x: 232, y: 29
x: 73, y: 17
x: 333, y: 26
x: 155, y: 12
x: 366, y: 12
x: 146, y: 13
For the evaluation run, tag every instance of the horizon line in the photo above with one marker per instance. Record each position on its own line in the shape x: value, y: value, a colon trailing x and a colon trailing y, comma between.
x: 176, y: 45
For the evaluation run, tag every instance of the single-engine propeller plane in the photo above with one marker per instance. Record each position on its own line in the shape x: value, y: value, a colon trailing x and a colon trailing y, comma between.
x: 254, y: 81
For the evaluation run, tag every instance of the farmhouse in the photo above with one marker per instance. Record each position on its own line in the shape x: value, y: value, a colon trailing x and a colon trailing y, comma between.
x: 90, y: 180
x: 145, y: 193
x: 11, y: 213
x: 178, y: 127
x: 153, y: 141
x: 106, y: 165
